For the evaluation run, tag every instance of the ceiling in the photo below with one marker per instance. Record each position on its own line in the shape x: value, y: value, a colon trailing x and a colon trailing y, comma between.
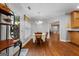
x: 43, y: 11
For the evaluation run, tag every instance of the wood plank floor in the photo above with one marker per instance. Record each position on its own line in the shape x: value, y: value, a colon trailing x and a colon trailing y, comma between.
x: 52, y: 47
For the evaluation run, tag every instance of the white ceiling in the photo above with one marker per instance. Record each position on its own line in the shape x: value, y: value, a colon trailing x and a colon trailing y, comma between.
x: 49, y: 9
x: 43, y: 10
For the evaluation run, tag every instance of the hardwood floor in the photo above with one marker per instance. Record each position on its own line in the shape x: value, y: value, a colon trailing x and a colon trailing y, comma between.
x: 52, y: 47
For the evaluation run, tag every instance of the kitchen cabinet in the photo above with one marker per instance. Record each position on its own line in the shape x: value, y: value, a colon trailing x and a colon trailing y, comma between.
x: 74, y: 37
x: 75, y: 19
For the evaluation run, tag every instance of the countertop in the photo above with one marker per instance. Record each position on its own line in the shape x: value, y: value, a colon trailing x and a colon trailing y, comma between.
x: 73, y: 29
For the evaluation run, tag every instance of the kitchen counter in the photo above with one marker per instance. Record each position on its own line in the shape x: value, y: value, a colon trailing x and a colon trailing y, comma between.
x: 73, y: 35
x: 73, y: 29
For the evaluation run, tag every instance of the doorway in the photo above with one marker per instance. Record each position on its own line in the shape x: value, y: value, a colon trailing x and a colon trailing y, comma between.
x: 54, y: 31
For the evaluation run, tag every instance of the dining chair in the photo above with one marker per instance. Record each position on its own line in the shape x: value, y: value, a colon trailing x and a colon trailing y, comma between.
x: 46, y: 35
x: 38, y: 37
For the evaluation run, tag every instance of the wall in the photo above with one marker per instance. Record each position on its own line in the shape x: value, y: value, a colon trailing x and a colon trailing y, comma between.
x: 39, y: 27
x: 25, y: 29
x: 64, y: 21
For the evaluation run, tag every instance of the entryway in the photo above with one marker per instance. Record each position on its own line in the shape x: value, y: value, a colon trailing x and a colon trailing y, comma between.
x: 54, y: 30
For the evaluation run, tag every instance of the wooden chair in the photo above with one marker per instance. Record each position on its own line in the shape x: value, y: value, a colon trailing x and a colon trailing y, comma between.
x: 46, y: 35
x: 38, y: 36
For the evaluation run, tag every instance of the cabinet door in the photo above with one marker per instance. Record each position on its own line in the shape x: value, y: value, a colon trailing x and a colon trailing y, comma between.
x: 74, y: 36
x: 76, y: 15
x: 75, y: 20
x: 75, y: 23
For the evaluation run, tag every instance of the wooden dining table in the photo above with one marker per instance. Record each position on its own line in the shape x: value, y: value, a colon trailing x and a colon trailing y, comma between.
x: 43, y: 37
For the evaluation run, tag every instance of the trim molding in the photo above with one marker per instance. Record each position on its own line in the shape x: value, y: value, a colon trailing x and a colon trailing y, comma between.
x: 16, y: 51
x: 28, y: 39
x: 65, y: 40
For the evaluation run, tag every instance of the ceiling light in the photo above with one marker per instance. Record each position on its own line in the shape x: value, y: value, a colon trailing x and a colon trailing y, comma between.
x: 78, y: 7
x: 39, y: 22
x: 29, y: 7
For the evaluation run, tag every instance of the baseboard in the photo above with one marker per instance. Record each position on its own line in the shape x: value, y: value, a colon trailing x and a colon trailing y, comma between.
x: 65, y: 40
x: 68, y: 40
x: 16, y: 51
x: 26, y: 42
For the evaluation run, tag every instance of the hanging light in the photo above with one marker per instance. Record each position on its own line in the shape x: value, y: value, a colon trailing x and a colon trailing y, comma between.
x: 39, y: 22
x: 29, y: 7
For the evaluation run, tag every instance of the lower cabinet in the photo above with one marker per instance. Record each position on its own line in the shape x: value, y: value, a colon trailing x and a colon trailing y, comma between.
x: 74, y: 37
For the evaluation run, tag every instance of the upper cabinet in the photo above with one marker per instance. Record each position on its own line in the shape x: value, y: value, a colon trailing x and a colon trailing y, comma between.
x: 4, y: 10
x: 75, y: 19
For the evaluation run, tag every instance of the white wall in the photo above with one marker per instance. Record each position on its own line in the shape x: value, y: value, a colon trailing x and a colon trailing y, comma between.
x: 25, y: 30
x: 64, y: 21
x: 39, y: 27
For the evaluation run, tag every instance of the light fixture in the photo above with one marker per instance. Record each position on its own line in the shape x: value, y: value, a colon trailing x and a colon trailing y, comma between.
x: 29, y: 7
x: 39, y: 22
x: 77, y: 7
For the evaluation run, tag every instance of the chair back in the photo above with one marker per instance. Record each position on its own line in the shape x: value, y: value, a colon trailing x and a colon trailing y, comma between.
x: 46, y: 35
x: 38, y: 34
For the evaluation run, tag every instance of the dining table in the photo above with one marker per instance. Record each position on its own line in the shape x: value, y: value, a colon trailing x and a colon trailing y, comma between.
x: 43, y: 37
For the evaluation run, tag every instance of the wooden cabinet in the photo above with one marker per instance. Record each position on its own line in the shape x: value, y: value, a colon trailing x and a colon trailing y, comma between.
x: 74, y: 37
x: 75, y: 19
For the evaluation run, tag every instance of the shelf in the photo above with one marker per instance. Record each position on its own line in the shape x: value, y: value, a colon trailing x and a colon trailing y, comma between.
x: 4, y: 44
x: 5, y: 23
x: 7, y: 19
